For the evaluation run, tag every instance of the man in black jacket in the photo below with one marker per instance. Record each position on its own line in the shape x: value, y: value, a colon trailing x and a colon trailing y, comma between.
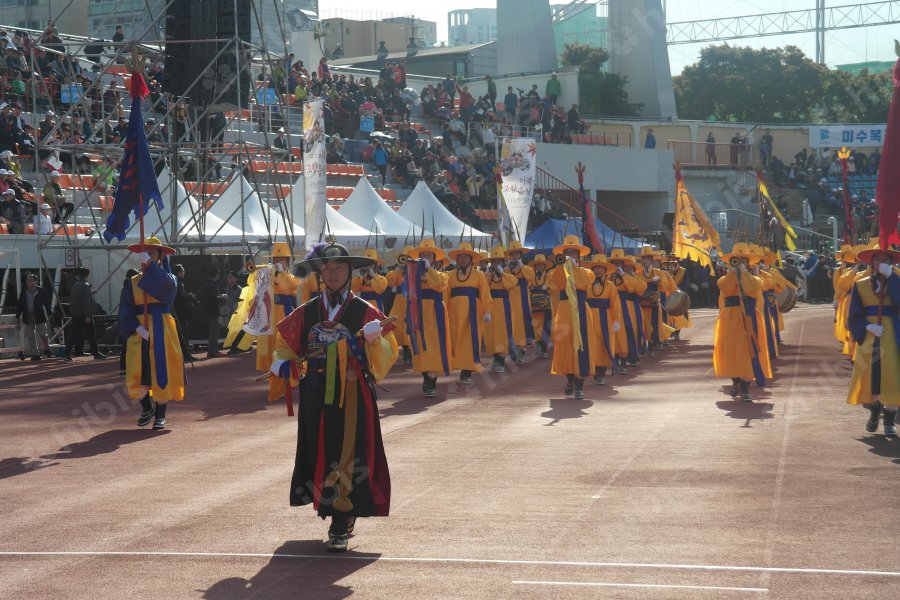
x: 33, y: 312
x: 213, y: 299
x: 82, y: 309
x: 183, y: 309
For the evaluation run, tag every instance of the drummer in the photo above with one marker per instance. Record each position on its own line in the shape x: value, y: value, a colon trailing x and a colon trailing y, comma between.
x: 630, y: 338
x: 541, y: 303
x: 677, y: 300
x: 603, y: 302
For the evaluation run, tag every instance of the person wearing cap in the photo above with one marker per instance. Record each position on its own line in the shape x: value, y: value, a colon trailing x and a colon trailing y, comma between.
x: 498, y: 334
x: 395, y: 303
x: 603, y: 300
x: 655, y: 329
x: 340, y: 466
x: 429, y: 339
x: 846, y: 262
x: 520, y: 299
x: 874, y: 323
x: 54, y: 196
x: 738, y: 352
x: 281, y: 144
x: 369, y: 284
x: 43, y: 222
x: 12, y: 212
x: 82, y: 309
x: 630, y: 338
x: 848, y: 279
x: 469, y: 306
x: 766, y: 301
x: 33, y: 311
x: 573, y: 345
x: 154, y: 364
x: 542, y: 316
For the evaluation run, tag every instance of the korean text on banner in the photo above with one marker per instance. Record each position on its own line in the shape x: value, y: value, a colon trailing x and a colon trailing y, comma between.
x: 314, y: 171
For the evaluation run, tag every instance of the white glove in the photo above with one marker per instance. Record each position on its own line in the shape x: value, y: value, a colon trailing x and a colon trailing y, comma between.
x: 835, y: 303
x: 499, y: 270
x: 144, y: 258
x: 876, y: 330
x: 885, y: 269
x: 620, y: 270
x: 372, y: 331
x: 655, y: 278
x: 142, y: 331
x: 487, y: 317
x: 427, y: 263
x: 544, y: 287
x: 371, y: 272
x: 280, y: 368
x: 616, y: 327
x: 571, y: 260
x: 279, y: 267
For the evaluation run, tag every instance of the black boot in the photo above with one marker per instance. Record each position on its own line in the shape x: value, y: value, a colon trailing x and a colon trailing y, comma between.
x: 147, y: 411
x: 430, y: 386
x: 425, y: 382
x: 570, y: 385
x: 600, y: 376
x: 735, y: 387
x: 465, y: 377
x: 338, y: 533
x: 745, y: 391
x: 579, y: 387
x: 890, y: 430
x: 542, y: 350
x: 160, y: 422
x: 875, y: 412
x: 499, y: 363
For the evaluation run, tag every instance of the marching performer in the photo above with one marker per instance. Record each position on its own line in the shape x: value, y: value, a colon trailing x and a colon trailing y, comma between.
x: 395, y: 303
x: 677, y: 274
x: 874, y: 323
x: 738, y: 352
x: 573, y: 322
x: 470, y: 304
x: 340, y: 466
x: 498, y: 335
x: 766, y: 300
x: 519, y: 300
x: 847, y: 280
x: 369, y: 284
x: 154, y: 367
x: 847, y: 257
x: 655, y: 329
x: 769, y: 265
x: 541, y: 303
x: 603, y: 300
x: 427, y: 323
x: 630, y: 338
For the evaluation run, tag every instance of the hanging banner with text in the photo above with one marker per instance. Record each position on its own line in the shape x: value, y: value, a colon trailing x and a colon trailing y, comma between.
x: 517, y: 171
x: 314, y: 171
x: 851, y: 136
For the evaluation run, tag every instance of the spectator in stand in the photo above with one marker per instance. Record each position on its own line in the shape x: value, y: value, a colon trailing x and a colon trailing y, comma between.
x: 553, y: 90
x: 466, y: 103
x: 448, y: 86
x: 112, y: 99
x: 281, y: 147
x: 777, y: 168
x: 82, y: 309
x: 399, y: 107
x: 334, y: 152
x: 47, y: 124
x: 491, y: 90
x: 119, y: 37
x: 711, y: 149
x: 323, y: 70
x: 650, y: 141
x: 33, y: 311
x: 574, y: 121
x: 106, y: 174
x: 380, y: 158
x: 874, y: 161
x: 53, y: 195
x: 12, y: 212
x: 19, y: 186
x: 43, y: 223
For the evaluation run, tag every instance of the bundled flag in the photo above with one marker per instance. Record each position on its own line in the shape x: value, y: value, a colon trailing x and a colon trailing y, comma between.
x: 770, y: 216
x: 844, y: 155
x: 694, y: 237
x: 137, y: 179
x: 887, y: 192
x: 589, y: 235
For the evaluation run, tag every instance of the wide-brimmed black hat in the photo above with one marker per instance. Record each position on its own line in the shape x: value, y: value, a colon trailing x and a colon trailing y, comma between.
x: 333, y: 252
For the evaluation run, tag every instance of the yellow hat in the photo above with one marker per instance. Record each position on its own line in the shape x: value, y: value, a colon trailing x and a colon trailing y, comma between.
x: 740, y: 250
x: 281, y: 250
x: 373, y: 254
x: 770, y: 257
x: 619, y: 254
x: 571, y: 242
x: 498, y: 252
x: 467, y: 249
x: 516, y: 246
x: 152, y: 243
x: 599, y: 260
x: 649, y: 251
x: 865, y: 256
x: 428, y: 246
x: 845, y: 248
x: 540, y: 259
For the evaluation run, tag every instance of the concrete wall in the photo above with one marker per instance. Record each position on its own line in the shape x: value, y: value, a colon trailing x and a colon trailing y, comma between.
x: 525, y: 36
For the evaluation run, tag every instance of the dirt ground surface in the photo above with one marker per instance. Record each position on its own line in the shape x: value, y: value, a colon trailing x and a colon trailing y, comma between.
x: 656, y: 486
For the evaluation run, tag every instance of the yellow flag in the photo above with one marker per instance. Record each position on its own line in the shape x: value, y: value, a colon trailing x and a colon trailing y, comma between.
x: 790, y: 236
x: 694, y: 236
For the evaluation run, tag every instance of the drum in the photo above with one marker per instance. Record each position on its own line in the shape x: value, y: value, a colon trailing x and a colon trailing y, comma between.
x: 540, y: 302
x: 786, y: 299
x: 650, y: 299
x: 677, y: 303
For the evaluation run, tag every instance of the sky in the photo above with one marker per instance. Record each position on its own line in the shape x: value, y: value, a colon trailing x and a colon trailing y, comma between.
x: 841, y: 47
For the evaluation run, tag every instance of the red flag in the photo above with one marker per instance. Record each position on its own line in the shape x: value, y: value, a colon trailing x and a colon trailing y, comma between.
x: 589, y: 235
x: 888, y: 190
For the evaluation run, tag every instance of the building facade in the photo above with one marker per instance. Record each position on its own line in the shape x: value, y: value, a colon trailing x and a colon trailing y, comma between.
x: 70, y: 17
x: 348, y: 38
x: 471, y: 26
x: 587, y: 25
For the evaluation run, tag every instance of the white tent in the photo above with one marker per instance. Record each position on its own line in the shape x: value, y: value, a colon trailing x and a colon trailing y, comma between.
x: 258, y: 220
x: 369, y: 210
x: 447, y: 227
x: 189, y: 215
x: 346, y: 231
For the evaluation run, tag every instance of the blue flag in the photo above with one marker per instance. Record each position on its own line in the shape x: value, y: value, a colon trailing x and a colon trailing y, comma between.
x: 137, y: 178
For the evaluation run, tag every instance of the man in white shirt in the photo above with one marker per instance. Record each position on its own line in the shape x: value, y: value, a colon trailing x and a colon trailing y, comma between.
x: 43, y: 222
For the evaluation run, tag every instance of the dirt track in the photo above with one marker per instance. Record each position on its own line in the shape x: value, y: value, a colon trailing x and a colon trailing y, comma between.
x: 505, y: 490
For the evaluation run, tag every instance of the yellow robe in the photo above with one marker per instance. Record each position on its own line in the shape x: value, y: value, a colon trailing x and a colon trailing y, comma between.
x: 524, y: 280
x: 543, y: 319
x: 431, y: 358
x: 739, y: 337
x: 566, y: 360
x: 605, y: 342
x: 285, y: 284
x: 860, y: 391
x: 842, y: 289
x: 661, y: 330
x: 498, y: 332
x: 370, y: 290
x: 464, y: 344
x: 398, y: 309
x: 309, y: 287
x: 630, y: 285
x: 683, y: 321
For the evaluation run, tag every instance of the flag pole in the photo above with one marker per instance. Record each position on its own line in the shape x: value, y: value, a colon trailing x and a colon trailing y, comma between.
x: 138, y: 90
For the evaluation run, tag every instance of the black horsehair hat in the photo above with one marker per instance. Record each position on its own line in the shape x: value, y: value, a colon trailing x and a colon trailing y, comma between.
x: 332, y: 252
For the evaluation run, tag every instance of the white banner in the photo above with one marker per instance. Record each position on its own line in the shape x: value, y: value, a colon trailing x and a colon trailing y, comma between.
x: 851, y: 136
x: 517, y: 169
x: 314, y: 171
x: 259, y: 314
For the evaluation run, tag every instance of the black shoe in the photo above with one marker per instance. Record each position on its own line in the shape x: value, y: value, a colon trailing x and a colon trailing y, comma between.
x: 735, y: 390
x: 99, y: 356
x: 465, y: 377
x: 337, y: 543
x: 890, y: 429
x: 21, y: 356
x: 147, y: 411
x: 66, y: 358
x: 160, y: 421
x: 569, y: 389
x: 351, y: 525
x: 599, y: 379
x: 874, y: 413
x: 36, y: 357
x: 47, y: 354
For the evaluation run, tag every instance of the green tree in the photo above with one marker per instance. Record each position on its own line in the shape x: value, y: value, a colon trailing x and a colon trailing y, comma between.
x: 600, y: 93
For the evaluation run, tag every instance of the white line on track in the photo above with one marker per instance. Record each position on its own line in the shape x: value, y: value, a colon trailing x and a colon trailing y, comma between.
x: 646, y: 585
x: 452, y: 560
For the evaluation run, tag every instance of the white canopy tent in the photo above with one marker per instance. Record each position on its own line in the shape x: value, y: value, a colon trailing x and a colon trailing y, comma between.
x: 422, y: 204
x: 369, y: 210
x: 346, y: 231
x: 258, y: 220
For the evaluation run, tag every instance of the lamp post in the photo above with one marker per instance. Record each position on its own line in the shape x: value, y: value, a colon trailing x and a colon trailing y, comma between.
x: 834, y: 232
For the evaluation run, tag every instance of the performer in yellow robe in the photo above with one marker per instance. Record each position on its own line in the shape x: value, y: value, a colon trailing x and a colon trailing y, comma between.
x: 430, y: 343
x: 520, y: 299
x: 470, y: 305
x: 630, y: 337
x: 847, y: 259
x: 656, y: 331
x: 770, y: 264
x: 542, y: 316
x: 847, y: 280
x: 677, y: 273
x: 606, y: 309
x: 285, y: 288
x: 767, y: 300
x: 498, y: 334
x: 573, y: 347
x: 874, y: 323
x: 154, y: 366
x: 310, y: 287
x: 396, y: 304
x: 740, y: 353
x: 369, y: 284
